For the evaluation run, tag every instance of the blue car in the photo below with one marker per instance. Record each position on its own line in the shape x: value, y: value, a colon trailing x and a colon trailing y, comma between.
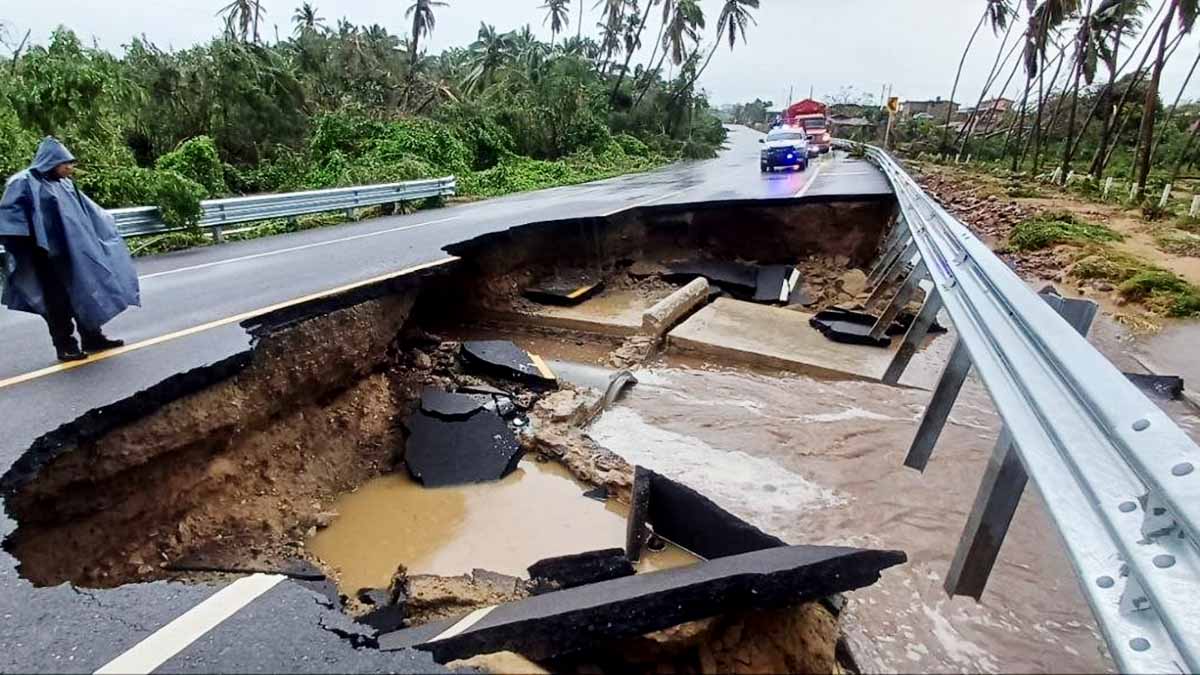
x: 784, y: 147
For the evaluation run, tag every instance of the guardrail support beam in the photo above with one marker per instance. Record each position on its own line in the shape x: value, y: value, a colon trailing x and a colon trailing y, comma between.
x: 902, y: 297
x: 900, y: 252
x: 1001, y: 489
x: 916, y: 334
x: 938, y: 410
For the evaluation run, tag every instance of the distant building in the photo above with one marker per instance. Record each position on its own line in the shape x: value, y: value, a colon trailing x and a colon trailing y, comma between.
x: 986, y: 118
x: 937, y: 108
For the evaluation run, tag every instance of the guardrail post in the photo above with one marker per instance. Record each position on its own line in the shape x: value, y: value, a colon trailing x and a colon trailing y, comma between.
x: 217, y: 234
x: 1001, y: 489
x: 1108, y: 182
x: 1195, y: 210
x: 1166, y: 195
x: 917, y: 331
x: 894, y: 259
x: 902, y: 297
x: 890, y: 277
x: 954, y: 374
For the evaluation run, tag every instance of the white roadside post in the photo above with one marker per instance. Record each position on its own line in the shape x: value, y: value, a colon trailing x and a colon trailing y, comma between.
x: 1166, y: 195
x: 1195, y: 210
x: 1107, y: 186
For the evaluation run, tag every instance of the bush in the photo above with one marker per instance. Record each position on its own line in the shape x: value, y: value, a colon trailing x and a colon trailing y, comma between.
x: 632, y: 145
x: 1051, y: 229
x: 197, y: 160
x: 1162, y: 292
x: 422, y: 139
x: 177, y: 198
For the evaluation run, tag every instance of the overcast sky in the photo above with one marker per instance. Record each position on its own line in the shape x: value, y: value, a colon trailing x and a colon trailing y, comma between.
x: 825, y: 45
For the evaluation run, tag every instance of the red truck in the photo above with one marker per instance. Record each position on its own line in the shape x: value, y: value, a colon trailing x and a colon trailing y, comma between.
x: 813, y: 117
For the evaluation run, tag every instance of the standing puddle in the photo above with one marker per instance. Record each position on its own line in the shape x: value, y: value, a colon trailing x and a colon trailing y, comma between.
x: 536, y: 512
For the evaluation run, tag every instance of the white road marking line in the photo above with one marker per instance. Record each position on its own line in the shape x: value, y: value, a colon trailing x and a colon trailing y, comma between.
x: 465, y: 623
x: 293, y: 249
x: 811, y: 181
x: 646, y: 202
x: 789, y: 285
x: 166, y: 642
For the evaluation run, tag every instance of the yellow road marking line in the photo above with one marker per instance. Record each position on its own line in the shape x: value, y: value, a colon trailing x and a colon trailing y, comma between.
x: 236, y: 318
x: 580, y: 291
x: 542, y: 367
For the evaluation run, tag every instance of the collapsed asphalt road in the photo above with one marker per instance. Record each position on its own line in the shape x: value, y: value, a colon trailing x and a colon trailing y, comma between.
x: 193, y: 302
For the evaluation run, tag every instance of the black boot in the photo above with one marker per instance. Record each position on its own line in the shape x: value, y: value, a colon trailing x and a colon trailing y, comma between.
x: 70, y: 351
x: 98, y: 342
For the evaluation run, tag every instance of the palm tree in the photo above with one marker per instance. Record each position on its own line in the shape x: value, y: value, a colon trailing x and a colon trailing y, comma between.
x: 999, y: 12
x: 558, y: 15
x: 680, y: 35
x: 490, y: 51
x: 242, y: 18
x: 735, y: 17
x: 1187, y: 11
x: 610, y: 28
x: 306, y: 19
x: 423, y: 21
x: 579, y: 32
x: 633, y: 41
x: 1126, y: 22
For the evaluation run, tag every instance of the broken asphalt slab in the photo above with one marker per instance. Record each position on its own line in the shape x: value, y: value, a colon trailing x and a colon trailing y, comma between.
x: 734, y: 277
x: 440, y: 453
x: 689, y: 519
x: 545, y: 626
x: 774, y: 283
x: 1165, y: 387
x: 563, y: 292
x: 848, y: 327
x: 503, y: 358
x: 450, y: 406
x: 579, y: 569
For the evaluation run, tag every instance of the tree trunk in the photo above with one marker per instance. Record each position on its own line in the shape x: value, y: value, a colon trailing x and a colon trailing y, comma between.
x: 958, y: 75
x: 1019, y: 125
x: 1175, y: 106
x: 1080, y: 63
x: 579, y: 33
x: 651, y: 78
x: 653, y: 53
x: 991, y: 79
x: 629, y: 55
x: 700, y: 72
x: 1146, y: 136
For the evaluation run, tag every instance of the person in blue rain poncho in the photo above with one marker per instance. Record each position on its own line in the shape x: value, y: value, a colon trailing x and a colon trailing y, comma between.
x: 66, y: 260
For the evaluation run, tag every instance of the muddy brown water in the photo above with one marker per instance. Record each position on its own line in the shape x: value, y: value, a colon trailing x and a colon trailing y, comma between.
x: 820, y: 462
x: 536, y: 512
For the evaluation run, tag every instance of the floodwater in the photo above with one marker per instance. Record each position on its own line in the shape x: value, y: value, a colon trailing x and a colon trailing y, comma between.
x: 820, y: 462
x: 536, y: 512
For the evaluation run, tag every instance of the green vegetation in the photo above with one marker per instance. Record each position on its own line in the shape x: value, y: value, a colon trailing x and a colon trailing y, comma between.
x: 1161, y: 291
x: 1179, y: 242
x: 345, y: 104
x: 1052, y: 229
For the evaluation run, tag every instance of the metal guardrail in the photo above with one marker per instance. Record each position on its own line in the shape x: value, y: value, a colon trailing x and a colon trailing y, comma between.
x: 1119, y: 479
x: 217, y: 213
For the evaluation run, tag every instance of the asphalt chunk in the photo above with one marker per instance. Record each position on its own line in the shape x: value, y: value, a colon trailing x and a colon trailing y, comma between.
x: 503, y: 358
x: 446, y: 405
x: 442, y: 452
x: 579, y: 569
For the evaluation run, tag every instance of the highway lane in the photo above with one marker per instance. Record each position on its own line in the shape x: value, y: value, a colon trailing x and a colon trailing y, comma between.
x: 61, y: 629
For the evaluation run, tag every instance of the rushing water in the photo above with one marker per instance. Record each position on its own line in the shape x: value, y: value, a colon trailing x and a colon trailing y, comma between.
x: 820, y: 462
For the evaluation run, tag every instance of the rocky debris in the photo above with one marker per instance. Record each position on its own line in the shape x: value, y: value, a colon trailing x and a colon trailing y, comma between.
x: 633, y: 351
x: 642, y: 269
x: 799, y: 639
x: 569, y: 405
x: 499, y: 663
x: 477, y: 449
x: 431, y: 598
x: 579, y: 569
x: 385, y: 610
x: 562, y: 622
x: 689, y: 519
x: 854, y: 282
x: 663, y: 316
x: 503, y: 358
x: 583, y: 457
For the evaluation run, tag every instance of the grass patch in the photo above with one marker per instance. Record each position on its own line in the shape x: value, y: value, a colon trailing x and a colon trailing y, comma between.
x: 1179, y: 242
x: 1162, y: 292
x: 1051, y: 229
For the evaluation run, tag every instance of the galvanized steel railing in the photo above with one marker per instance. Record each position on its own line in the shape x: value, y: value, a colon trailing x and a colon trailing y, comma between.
x: 1118, y: 477
x: 217, y: 213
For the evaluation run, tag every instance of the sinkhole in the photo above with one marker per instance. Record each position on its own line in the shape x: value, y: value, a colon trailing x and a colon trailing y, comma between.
x: 423, y: 445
